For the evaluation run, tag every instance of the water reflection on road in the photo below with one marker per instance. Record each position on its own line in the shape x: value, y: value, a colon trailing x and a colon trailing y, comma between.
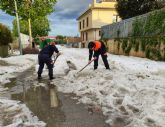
x: 39, y: 102
x: 54, y: 108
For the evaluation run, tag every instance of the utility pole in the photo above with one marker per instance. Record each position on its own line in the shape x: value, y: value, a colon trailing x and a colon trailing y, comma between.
x: 30, y: 32
x: 29, y: 4
x: 18, y: 27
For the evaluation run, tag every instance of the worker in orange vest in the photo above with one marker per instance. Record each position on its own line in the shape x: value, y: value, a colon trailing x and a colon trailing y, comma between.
x: 98, y: 47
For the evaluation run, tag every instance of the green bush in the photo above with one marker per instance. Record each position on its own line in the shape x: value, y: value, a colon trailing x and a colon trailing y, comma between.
x: 60, y: 42
x: 5, y: 35
x: 148, y: 35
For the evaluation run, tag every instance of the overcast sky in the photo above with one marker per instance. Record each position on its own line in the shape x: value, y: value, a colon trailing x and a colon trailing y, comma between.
x: 63, y: 20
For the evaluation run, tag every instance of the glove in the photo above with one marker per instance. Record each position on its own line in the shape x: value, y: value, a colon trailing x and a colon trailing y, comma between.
x: 105, y: 54
x: 59, y: 53
x: 94, y: 58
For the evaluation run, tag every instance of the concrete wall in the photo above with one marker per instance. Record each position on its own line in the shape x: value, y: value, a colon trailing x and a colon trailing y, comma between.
x: 101, y: 17
x: 113, y: 48
x: 24, y: 40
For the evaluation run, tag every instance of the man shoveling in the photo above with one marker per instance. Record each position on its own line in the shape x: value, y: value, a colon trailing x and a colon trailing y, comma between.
x: 44, y: 57
x: 98, y: 48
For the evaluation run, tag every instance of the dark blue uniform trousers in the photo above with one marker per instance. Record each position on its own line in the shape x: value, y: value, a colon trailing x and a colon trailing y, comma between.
x: 104, y: 58
x: 45, y: 59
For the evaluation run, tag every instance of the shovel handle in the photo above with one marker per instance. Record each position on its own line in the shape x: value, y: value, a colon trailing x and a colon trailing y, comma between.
x: 86, y: 65
x: 55, y: 59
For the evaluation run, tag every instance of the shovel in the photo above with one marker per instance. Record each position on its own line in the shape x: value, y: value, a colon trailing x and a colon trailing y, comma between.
x: 76, y: 74
x: 55, y: 58
x: 86, y: 65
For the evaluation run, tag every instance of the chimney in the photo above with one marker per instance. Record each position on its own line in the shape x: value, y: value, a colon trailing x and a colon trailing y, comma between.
x: 94, y: 1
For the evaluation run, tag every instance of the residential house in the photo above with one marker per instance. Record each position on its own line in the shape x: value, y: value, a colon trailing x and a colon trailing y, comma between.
x: 74, y: 42
x: 97, y: 15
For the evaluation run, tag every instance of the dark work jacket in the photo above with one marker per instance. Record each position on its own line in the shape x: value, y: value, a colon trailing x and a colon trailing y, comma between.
x: 49, y: 50
x: 101, y: 50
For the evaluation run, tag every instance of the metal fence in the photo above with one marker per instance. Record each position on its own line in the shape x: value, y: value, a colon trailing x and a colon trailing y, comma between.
x: 123, y: 28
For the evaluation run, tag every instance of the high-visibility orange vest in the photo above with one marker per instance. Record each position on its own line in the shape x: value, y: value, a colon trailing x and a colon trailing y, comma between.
x: 97, y: 45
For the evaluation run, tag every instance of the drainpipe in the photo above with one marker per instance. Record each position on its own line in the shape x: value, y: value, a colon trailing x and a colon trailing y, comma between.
x: 95, y: 34
x: 94, y: 1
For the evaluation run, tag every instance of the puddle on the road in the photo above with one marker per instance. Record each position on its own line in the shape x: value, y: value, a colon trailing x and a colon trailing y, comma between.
x: 12, y: 83
x: 39, y: 101
x: 44, y: 102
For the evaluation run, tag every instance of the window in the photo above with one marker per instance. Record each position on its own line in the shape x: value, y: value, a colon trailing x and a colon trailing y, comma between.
x: 83, y: 23
x: 99, y: 33
x: 87, y: 21
x: 86, y: 36
x: 80, y: 25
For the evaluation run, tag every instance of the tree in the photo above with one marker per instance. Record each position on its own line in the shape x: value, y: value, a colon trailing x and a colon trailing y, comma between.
x: 130, y: 8
x: 5, y: 35
x: 23, y: 27
x: 60, y: 37
x: 40, y: 26
x: 29, y: 9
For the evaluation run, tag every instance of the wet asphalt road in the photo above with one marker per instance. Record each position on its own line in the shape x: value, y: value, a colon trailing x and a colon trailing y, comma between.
x: 38, y: 100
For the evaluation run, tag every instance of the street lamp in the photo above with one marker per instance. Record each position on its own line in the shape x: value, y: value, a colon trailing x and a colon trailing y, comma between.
x: 18, y: 27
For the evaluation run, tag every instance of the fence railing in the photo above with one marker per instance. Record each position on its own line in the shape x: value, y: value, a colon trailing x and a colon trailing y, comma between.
x: 124, y: 28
